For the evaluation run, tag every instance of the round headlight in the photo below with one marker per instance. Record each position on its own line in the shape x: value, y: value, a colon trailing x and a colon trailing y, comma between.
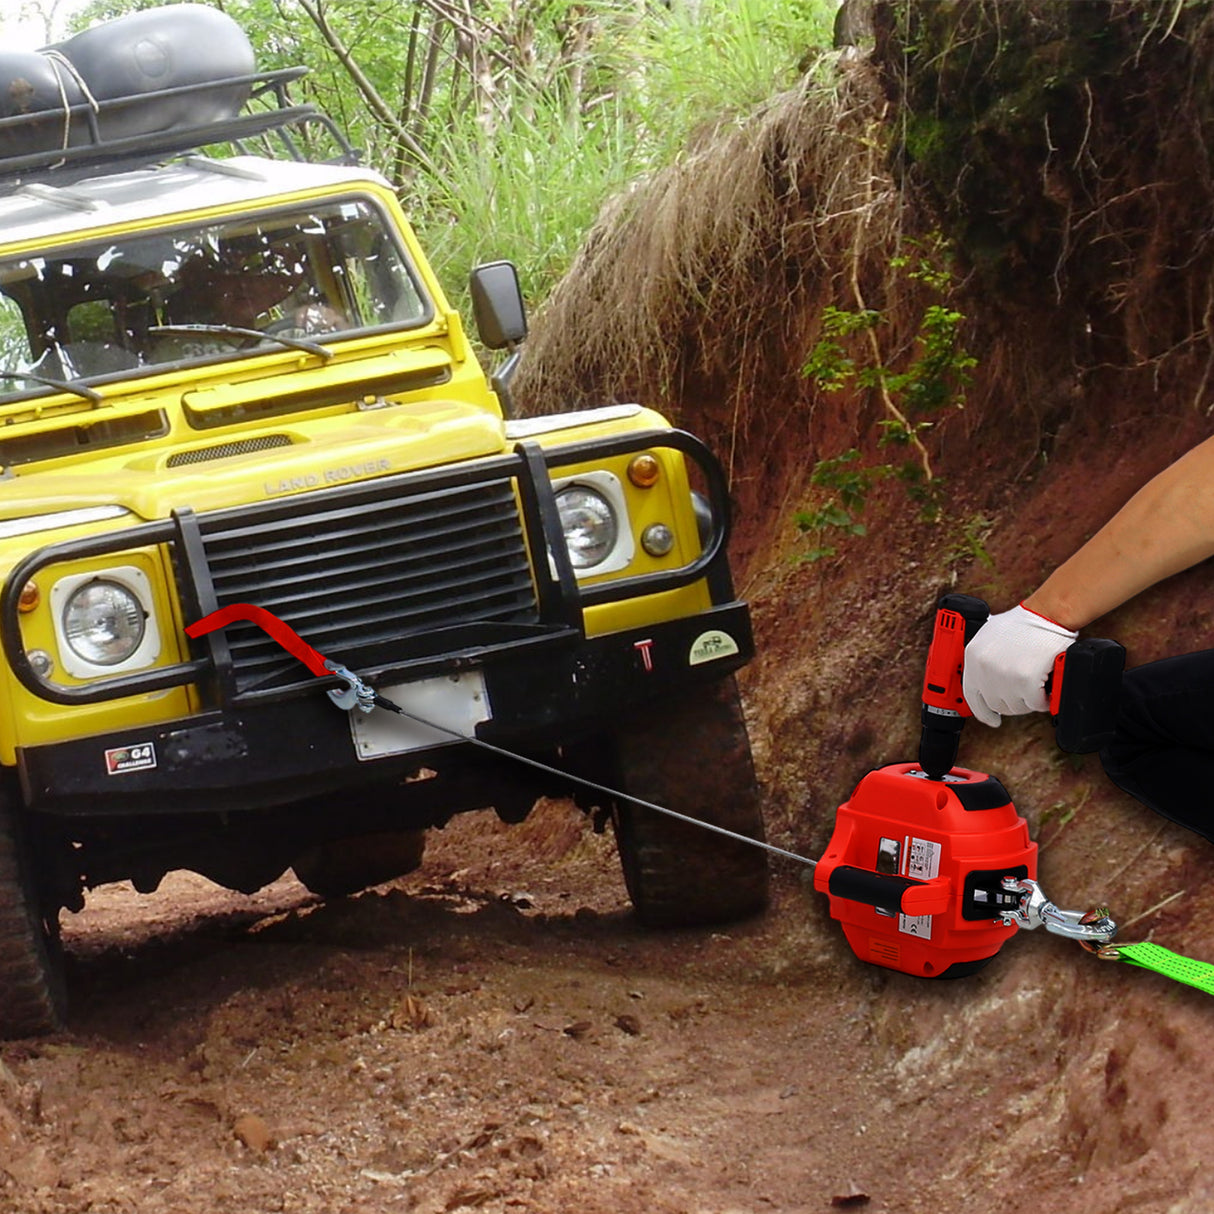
x: 589, y: 523
x: 103, y: 622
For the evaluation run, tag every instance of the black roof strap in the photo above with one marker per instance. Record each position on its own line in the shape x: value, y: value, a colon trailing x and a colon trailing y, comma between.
x: 60, y: 163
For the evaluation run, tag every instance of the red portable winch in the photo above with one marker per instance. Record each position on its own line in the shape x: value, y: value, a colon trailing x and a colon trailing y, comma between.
x: 930, y: 868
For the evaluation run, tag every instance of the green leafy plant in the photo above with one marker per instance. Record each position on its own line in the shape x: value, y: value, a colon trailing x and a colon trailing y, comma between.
x: 970, y: 541
x: 914, y: 392
x: 829, y: 364
x: 847, y: 482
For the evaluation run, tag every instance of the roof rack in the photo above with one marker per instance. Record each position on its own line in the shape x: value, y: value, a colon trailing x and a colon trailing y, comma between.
x: 90, y: 148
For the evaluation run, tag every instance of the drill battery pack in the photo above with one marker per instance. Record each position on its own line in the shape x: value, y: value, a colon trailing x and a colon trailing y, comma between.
x: 1084, y: 702
x: 914, y: 869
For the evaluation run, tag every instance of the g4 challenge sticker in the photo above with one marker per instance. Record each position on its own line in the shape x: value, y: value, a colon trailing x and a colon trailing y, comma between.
x: 130, y: 758
x: 709, y: 646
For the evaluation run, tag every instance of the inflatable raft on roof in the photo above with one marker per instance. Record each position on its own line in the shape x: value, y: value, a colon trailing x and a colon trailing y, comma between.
x: 142, y: 86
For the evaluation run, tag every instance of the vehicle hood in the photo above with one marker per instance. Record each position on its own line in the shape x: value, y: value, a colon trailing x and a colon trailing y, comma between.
x: 242, y: 466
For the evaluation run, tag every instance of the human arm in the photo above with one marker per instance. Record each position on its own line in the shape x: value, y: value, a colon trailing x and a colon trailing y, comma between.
x: 1167, y: 526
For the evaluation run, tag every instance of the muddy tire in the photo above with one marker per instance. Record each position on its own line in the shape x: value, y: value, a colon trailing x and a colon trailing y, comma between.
x: 32, y: 992
x: 335, y: 870
x: 690, y: 753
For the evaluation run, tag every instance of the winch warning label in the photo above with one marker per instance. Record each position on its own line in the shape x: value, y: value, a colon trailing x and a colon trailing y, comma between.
x: 921, y: 859
x: 916, y: 925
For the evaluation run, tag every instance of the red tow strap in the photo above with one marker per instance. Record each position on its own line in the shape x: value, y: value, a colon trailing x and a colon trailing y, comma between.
x: 269, y: 623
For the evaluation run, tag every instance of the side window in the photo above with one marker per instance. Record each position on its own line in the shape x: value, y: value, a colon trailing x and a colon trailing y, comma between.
x: 374, y: 278
x: 92, y: 320
x: 14, y: 340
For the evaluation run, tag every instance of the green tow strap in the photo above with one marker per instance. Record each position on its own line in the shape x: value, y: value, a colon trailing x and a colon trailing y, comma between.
x: 1171, y: 965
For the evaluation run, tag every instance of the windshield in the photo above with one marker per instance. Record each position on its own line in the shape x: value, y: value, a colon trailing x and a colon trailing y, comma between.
x: 143, y: 302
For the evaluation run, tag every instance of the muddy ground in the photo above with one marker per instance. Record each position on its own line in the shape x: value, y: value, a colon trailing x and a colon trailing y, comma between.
x: 496, y: 1033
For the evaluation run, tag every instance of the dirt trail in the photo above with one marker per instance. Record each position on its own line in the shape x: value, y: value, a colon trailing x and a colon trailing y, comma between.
x: 495, y: 1033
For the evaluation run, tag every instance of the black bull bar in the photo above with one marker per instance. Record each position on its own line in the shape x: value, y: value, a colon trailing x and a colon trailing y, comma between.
x: 560, y: 600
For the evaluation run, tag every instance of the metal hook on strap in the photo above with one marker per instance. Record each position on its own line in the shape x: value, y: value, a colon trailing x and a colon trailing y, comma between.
x: 355, y: 694
x: 1090, y: 928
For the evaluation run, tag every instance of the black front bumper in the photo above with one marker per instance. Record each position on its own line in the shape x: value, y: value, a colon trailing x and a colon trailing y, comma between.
x: 377, y: 575
x: 542, y: 694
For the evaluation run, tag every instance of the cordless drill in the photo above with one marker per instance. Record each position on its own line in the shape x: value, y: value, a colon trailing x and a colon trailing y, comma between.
x: 1082, y: 687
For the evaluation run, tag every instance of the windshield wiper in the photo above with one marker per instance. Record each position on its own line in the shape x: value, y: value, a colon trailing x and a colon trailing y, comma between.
x: 295, y: 343
x: 63, y: 385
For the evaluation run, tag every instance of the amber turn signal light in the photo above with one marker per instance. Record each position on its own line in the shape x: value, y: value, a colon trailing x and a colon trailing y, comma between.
x: 644, y: 470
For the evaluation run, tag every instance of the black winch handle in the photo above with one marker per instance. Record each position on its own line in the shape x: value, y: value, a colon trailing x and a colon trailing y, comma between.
x: 885, y: 892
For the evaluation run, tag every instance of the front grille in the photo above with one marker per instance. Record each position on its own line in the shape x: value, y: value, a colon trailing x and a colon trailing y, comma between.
x: 356, y: 575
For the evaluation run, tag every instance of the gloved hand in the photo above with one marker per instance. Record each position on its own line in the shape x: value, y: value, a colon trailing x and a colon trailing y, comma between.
x: 1008, y: 662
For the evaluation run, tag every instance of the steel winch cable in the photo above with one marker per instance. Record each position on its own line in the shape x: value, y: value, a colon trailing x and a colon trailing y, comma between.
x: 1094, y: 930
x: 357, y: 696
x: 384, y: 702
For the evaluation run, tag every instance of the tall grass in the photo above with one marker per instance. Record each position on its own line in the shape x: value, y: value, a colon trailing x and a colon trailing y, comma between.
x: 528, y: 193
x: 530, y: 188
x: 723, y: 57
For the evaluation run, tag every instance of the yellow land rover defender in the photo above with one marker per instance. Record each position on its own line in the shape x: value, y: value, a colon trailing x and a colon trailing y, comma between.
x: 233, y: 378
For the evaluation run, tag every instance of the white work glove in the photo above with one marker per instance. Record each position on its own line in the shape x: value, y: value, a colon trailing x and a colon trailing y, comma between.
x: 1008, y: 662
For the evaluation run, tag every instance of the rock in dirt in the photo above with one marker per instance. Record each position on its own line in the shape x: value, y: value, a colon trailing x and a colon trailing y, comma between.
x: 28, y: 1165
x: 412, y: 1015
x: 253, y: 1132
x: 24, y: 1099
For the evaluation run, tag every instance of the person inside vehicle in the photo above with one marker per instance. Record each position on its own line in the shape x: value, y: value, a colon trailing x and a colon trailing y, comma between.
x: 211, y: 291
x: 1163, y: 750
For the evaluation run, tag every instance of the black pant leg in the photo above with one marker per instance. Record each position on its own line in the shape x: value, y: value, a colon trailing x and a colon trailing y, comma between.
x: 1163, y: 749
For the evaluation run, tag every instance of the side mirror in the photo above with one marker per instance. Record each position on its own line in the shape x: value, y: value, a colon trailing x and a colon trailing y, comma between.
x: 497, y: 305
